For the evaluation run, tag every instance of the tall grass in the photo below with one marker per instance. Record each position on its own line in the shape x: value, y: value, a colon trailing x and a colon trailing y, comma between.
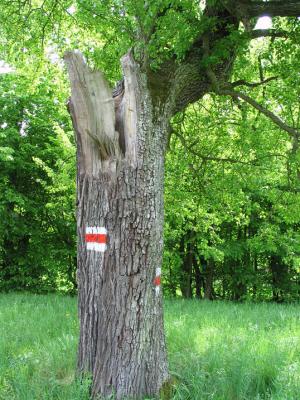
x: 228, y: 351
x: 220, y: 351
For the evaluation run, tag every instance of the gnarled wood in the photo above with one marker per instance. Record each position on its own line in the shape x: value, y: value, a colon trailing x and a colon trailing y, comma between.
x: 92, y: 111
x: 129, y: 107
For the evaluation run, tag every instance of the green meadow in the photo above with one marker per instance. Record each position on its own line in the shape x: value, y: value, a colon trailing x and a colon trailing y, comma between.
x: 221, y: 351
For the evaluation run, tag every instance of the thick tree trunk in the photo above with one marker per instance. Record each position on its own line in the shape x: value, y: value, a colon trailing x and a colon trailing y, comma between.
x: 120, y: 202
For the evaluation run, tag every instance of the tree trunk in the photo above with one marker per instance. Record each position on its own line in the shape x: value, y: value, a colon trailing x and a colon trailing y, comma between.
x: 279, y: 277
x: 209, y: 280
x: 119, y: 225
x: 186, y: 249
x: 199, y: 281
x: 172, y: 282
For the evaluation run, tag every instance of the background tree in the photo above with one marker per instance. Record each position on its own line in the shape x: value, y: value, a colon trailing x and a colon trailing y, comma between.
x: 239, y: 169
x: 37, y: 190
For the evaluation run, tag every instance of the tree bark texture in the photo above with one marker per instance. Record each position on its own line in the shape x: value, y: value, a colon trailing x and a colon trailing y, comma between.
x: 119, y: 188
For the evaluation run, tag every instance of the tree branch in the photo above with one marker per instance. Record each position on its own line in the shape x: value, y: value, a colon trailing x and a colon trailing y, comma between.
x: 281, y: 8
x: 254, y: 162
x: 273, y: 33
x: 185, y: 82
x: 239, y: 95
x: 242, y: 82
x: 246, y: 9
x: 209, y: 158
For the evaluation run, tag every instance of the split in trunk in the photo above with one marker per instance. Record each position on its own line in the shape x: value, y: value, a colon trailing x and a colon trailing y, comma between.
x: 120, y: 190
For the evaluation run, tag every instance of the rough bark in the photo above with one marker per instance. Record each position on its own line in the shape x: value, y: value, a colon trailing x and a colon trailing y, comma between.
x: 274, y: 8
x: 121, y: 322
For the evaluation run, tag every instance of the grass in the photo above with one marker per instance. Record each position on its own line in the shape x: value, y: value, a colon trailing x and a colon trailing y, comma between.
x: 228, y: 351
x: 220, y: 351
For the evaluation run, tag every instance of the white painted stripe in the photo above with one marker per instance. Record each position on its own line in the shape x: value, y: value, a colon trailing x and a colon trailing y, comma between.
x: 96, y: 229
x: 89, y: 246
x: 158, y: 271
x: 157, y: 290
x: 100, y: 247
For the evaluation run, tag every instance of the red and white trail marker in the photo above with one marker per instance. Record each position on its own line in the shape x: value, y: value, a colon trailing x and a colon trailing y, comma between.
x: 95, y: 238
x: 157, y: 281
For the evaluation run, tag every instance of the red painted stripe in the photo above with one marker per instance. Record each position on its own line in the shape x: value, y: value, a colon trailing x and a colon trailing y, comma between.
x: 156, y: 281
x: 95, y: 237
